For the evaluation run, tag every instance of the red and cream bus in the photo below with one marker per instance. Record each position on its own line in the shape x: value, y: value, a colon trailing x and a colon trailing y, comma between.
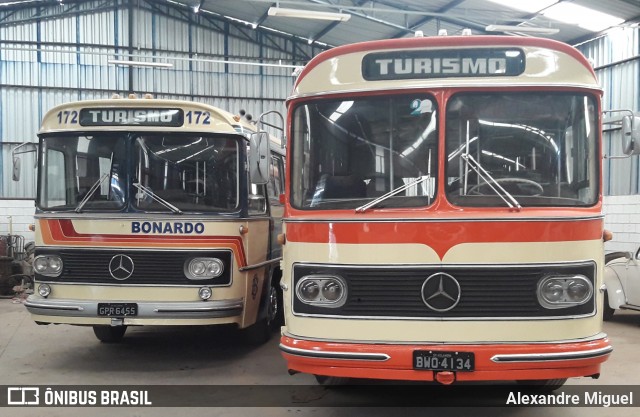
x: 146, y: 215
x: 443, y: 213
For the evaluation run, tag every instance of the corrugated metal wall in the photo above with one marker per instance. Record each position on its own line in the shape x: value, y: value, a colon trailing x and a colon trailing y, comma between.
x: 55, y: 54
x: 616, y: 58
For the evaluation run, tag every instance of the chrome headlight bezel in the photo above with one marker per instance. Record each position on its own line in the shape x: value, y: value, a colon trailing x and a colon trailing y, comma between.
x: 327, y: 285
x: 210, y: 267
x: 48, y: 265
x: 563, y: 285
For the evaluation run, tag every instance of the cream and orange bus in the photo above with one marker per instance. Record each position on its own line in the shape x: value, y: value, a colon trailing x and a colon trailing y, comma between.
x: 146, y: 215
x: 443, y: 213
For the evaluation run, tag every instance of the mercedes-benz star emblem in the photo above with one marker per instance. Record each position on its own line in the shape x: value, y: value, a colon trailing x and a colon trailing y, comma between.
x: 441, y: 292
x: 121, y: 267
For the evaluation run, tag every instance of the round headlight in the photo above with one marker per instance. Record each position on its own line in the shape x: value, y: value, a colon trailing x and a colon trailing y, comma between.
x: 577, y: 291
x: 44, y: 290
x: 332, y: 290
x: 40, y: 264
x: 214, y: 268
x: 197, y: 268
x: 55, y: 264
x: 310, y: 290
x: 552, y: 291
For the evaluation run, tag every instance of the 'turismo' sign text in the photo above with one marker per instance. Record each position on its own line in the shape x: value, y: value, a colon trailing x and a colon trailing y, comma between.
x: 415, y: 64
x: 131, y: 117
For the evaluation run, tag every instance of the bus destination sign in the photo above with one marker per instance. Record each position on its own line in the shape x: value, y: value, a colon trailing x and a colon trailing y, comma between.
x: 131, y: 117
x: 402, y: 65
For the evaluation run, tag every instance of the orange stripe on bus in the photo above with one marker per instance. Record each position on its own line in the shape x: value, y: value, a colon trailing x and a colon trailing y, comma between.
x: 442, y: 236
x: 62, y: 232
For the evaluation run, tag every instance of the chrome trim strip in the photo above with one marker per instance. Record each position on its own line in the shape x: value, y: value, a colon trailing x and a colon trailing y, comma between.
x: 118, y: 249
x: 498, y: 85
x: 459, y: 266
x: 598, y: 336
x: 583, y: 262
x: 90, y: 284
x: 215, y: 218
x: 146, y: 309
x: 426, y: 319
x: 308, y: 353
x: 224, y: 305
x: 53, y: 306
x: 550, y: 357
x: 441, y: 220
x: 260, y: 265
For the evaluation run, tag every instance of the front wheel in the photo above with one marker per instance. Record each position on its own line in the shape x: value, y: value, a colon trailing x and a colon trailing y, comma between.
x: 543, y: 385
x: 109, y: 334
x: 260, y: 332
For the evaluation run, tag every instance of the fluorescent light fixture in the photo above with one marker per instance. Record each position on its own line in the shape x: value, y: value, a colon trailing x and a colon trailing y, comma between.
x: 522, y: 29
x: 581, y: 16
x: 308, y: 14
x: 529, y: 6
x: 140, y: 63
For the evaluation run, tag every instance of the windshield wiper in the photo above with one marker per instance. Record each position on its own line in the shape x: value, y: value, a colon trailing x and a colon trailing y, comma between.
x: 91, y: 191
x: 490, y: 181
x: 162, y: 201
x: 391, y: 193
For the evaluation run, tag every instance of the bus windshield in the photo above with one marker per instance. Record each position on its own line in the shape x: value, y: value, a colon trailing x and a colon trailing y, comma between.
x: 347, y: 153
x: 535, y: 149
x: 191, y: 172
x: 167, y: 172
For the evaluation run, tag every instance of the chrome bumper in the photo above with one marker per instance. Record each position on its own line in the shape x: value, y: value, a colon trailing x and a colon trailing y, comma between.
x: 146, y: 310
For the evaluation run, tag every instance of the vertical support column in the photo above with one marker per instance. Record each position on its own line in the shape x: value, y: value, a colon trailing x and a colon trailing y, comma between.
x: 130, y: 46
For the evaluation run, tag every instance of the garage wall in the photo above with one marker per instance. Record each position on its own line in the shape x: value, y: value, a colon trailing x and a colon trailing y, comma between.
x: 55, y: 54
x: 621, y: 217
x: 616, y: 59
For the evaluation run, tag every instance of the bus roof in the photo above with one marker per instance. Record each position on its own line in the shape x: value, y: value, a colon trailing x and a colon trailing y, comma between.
x: 445, y: 61
x: 141, y: 115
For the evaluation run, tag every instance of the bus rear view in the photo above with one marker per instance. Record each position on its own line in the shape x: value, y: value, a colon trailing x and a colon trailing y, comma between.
x: 444, y: 213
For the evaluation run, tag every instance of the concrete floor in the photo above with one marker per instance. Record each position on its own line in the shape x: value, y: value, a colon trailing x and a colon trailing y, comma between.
x: 43, y: 355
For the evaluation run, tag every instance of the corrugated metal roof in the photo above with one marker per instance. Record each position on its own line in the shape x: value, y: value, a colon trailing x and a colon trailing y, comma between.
x: 381, y: 19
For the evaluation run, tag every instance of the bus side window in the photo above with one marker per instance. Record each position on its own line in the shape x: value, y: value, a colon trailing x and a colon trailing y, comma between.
x: 57, y: 180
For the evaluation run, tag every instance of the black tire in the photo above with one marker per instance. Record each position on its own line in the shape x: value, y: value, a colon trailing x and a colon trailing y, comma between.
x: 543, y: 385
x: 109, y: 334
x: 331, y: 381
x: 260, y: 332
x: 607, y: 311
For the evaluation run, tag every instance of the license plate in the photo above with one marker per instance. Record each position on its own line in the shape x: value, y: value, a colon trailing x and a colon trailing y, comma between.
x: 431, y: 360
x: 117, y: 309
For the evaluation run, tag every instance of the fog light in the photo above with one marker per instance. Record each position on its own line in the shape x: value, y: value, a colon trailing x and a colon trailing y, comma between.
x: 44, y: 290
x: 205, y: 293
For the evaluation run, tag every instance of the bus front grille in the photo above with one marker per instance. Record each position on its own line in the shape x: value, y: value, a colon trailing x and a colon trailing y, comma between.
x: 498, y: 291
x: 150, y: 267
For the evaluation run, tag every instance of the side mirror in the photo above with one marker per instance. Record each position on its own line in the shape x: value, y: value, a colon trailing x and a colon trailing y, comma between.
x: 26, y: 147
x: 631, y: 135
x: 259, y: 158
x: 16, y: 168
